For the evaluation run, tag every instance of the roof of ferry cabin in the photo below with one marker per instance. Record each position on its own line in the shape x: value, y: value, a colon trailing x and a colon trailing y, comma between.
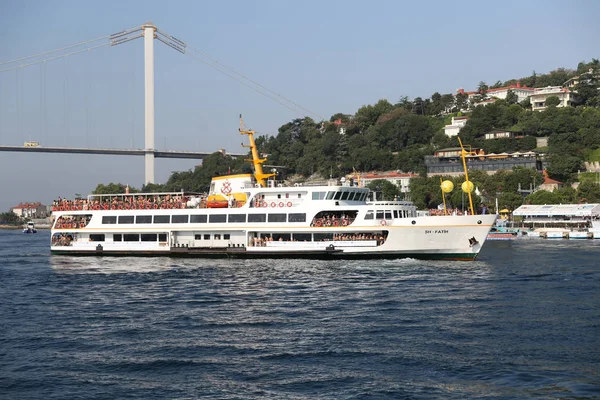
x: 552, y: 210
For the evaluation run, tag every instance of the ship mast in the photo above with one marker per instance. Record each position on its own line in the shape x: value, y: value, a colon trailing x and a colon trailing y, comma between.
x: 259, y: 175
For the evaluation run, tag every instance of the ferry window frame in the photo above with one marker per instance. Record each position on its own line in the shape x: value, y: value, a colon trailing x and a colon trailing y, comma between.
x: 143, y: 219
x: 302, y: 237
x: 162, y: 237
x: 226, y: 236
x: 330, y: 195
x: 198, y: 236
x: 370, y: 215
x: 276, y: 217
x: 297, y: 217
x: 279, y: 195
x: 217, y: 236
x: 337, y: 195
x: 198, y: 218
x: 109, y: 220
x: 299, y: 195
x: 125, y: 219
x: 97, y: 237
x: 388, y: 214
x: 257, y: 217
x: 128, y: 237
x: 395, y: 213
x: 379, y: 214
x: 351, y: 196
x: 182, y: 218
x: 217, y: 218
x: 207, y: 236
x: 323, y: 237
x: 318, y: 195
x: 236, y: 218
x: 117, y: 237
x: 344, y: 195
x: 148, y: 237
x: 157, y: 219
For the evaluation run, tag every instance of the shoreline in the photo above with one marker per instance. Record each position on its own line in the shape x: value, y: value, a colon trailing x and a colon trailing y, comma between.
x: 21, y: 227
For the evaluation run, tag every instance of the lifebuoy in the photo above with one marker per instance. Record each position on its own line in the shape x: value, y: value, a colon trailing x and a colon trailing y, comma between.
x: 383, y: 222
x: 289, y: 203
x: 273, y: 204
x: 281, y: 204
x: 264, y: 203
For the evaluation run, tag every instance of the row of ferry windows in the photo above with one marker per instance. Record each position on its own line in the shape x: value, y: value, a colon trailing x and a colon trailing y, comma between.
x: 386, y: 214
x: 213, y: 218
x: 346, y: 195
x: 131, y: 237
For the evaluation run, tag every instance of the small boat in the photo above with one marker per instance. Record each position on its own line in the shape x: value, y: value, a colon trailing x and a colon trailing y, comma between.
x: 30, y: 228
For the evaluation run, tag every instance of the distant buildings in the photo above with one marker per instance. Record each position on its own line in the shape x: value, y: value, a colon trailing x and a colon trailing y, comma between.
x: 522, y: 92
x: 400, y: 179
x: 455, y: 126
x: 30, y: 210
x: 566, y: 96
x: 448, y: 162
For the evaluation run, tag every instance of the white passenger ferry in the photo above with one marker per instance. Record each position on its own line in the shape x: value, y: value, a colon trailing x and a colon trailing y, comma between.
x: 252, y: 216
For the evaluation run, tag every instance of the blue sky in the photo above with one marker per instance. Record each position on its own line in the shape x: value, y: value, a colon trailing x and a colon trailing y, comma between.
x: 327, y: 56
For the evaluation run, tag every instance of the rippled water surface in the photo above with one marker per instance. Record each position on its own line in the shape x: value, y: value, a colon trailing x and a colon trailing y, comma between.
x: 521, y: 322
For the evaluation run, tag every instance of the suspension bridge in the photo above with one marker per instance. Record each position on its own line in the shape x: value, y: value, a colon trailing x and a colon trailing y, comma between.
x: 149, y: 33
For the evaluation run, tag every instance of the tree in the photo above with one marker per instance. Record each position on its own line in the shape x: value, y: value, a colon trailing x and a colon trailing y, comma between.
x: 482, y: 89
x: 511, y: 97
x: 384, y: 189
x: 588, y: 192
x: 10, y: 218
x: 543, y: 197
x: 552, y: 101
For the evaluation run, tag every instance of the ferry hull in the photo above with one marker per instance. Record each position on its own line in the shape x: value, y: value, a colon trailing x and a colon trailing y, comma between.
x: 320, y: 255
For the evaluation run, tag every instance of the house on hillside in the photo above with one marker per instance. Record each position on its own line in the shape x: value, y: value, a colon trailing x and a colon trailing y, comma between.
x: 502, y: 134
x: 522, y: 92
x: 566, y: 96
x: 550, y: 184
x: 400, y: 179
x: 455, y: 126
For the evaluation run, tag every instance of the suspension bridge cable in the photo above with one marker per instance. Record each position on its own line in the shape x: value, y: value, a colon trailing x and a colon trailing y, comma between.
x: 55, y: 58
x: 54, y: 51
x: 244, y: 83
x: 254, y: 82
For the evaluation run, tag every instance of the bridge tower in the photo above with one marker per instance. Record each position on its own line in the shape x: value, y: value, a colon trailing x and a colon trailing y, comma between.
x: 149, y: 35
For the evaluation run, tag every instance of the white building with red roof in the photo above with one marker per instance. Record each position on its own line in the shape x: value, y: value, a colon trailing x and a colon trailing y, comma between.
x: 30, y: 210
x: 566, y: 96
x: 400, y: 179
x: 522, y: 92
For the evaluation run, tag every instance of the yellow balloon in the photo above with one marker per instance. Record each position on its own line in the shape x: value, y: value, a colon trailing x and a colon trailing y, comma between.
x: 447, y: 186
x: 467, y: 186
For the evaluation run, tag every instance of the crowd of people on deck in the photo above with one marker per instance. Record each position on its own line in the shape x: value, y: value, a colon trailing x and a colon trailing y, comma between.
x: 61, y: 239
x: 358, y: 236
x: 124, y: 202
x: 331, y: 220
x: 449, y: 211
x: 72, y: 222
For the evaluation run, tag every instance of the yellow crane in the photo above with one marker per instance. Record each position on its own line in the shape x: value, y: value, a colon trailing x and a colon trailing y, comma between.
x: 259, y: 175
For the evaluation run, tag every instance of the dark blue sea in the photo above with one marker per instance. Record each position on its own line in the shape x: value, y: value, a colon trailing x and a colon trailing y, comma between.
x: 521, y: 322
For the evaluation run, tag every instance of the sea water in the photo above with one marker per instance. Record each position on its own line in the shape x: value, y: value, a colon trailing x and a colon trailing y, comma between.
x: 523, y: 321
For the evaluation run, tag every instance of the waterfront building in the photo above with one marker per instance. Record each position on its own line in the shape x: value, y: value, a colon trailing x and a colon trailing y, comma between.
x: 447, y: 162
x: 30, y: 210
